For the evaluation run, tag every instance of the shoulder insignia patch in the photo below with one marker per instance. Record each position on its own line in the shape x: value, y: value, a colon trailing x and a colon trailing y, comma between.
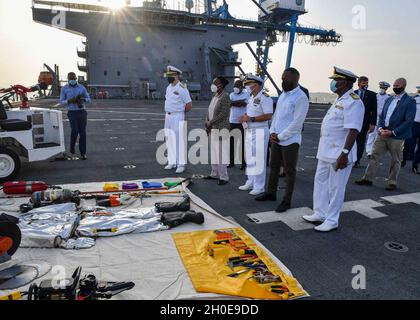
x: 354, y: 96
x: 340, y: 107
x: 266, y: 94
x: 183, y: 85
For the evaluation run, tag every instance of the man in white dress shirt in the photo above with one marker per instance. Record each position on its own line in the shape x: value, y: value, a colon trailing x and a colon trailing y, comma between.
x: 239, y: 100
x: 286, y: 138
x: 337, y: 151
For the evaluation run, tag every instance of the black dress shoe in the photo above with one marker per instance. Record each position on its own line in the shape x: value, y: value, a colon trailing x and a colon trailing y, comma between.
x: 403, y: 163
x: 210, y: 178
x: 416, y: 170
x: 391, y: 187
x: 364, y: 182
x: 266, y: 197
x: 356, y: 165
x: 243, y: 167
x: 283, y: 207
x: 222, y: 182
x: 83, y: 157
x: 231, y: 166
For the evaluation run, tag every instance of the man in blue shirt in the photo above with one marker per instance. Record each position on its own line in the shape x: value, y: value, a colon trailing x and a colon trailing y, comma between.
x: 74, y: 96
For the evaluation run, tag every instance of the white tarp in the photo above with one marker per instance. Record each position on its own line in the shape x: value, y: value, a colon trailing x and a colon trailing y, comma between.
x: 150, y: 260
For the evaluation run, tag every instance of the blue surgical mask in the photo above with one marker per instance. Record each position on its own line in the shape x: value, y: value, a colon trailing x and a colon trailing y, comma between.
x: 333, y: 86
x: 72, y: 82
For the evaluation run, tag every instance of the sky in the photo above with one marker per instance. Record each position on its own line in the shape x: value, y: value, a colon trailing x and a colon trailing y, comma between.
x: 383, y: 46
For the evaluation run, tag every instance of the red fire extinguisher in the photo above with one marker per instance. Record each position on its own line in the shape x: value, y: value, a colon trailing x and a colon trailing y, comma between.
x: 24, y: 187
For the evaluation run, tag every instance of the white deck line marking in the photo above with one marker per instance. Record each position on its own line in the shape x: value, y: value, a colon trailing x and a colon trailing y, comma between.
x: 317, y: 123
x: 129, y: 112
x: 404, y: 198
x: 365, y: 208
x: 293, y: 217
x: 104, y: 120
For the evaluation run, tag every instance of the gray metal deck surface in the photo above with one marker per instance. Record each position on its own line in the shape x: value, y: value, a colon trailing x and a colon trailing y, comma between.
x: 123, y: 132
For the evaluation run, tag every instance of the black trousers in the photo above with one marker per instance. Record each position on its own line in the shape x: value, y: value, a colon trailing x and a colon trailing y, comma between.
x: 410, y: 152
x: 233, y: 145
x: 361, y: 143
x: 286, y: 156
x: 78, y: 123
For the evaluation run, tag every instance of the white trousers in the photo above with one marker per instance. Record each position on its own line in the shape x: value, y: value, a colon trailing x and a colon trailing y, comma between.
x: 219, y: 156
x: 256, y: 144
x: 175, y: 125
x: 329, y: 191
x: 371, y: 141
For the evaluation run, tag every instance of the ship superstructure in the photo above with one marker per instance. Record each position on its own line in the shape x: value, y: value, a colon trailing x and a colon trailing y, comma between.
x: 126, y: 51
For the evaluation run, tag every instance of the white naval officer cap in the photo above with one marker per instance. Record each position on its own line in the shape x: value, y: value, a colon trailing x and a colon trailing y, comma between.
x: 384, y: 85
x: 343, y: 74
x: 172, y: 71
x: 250, y: 78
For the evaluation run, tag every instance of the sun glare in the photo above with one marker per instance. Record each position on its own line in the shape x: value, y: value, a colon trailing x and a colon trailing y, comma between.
x: 115, y: 4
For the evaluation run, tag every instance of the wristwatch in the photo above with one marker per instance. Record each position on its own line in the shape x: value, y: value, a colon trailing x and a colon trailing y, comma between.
x: 252, y: 119
x: 345, y: 151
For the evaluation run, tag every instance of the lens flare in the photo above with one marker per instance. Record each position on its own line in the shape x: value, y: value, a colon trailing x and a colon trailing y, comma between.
x: 115, y: 5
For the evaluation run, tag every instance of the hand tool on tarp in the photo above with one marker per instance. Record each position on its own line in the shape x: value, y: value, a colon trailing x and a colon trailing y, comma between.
x: 251, y: 266
x: 77, y: 288
x: 244, y: 262
x: 140, y: 193
x: 263, y: 276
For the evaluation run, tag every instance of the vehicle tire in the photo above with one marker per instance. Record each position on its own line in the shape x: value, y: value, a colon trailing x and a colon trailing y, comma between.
x: 9, y: 165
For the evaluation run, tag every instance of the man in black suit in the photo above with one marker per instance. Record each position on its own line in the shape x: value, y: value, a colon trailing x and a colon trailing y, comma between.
x: 369, y: 122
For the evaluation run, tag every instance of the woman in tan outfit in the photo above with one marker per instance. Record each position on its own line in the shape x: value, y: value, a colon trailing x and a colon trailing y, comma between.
x: 217, y: 126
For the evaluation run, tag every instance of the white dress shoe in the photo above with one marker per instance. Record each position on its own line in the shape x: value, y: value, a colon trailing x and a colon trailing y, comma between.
x: 325, y: 227
x: 313, y: 218
x: 246, y: 187
x: 256, y: 192
x: 170, y: 167
x: 180, y: 169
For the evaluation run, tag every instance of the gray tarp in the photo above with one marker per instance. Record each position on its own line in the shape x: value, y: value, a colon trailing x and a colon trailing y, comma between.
x: 151, y: 260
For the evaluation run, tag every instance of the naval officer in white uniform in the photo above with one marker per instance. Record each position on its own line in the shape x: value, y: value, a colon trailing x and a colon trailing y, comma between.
x: 337, y: 151
x: 259, y: 112
x: 178, y: 102
x: 381, y: 98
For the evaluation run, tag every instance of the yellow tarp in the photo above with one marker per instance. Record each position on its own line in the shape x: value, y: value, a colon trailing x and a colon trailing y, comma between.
x: 210, y: 274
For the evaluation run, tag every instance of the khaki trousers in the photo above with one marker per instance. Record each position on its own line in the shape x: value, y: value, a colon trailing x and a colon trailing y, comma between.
x: 381, y: 147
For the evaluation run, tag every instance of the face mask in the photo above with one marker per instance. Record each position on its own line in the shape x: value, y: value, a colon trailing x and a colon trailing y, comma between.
x: 213, y: 88
x: 398, y: 91
x: 333, y: 86
x: 382, y: 92
x: 237, y: 90
x: 365, y: 87
x: 249, y: 89
x: 171, y: 79
x: 72, y: 83
x: 287, y: 86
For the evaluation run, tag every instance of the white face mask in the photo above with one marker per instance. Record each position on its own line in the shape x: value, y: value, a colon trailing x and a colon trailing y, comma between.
x: 236, y: 90
x: 213, y: 88
x: 383, y: 91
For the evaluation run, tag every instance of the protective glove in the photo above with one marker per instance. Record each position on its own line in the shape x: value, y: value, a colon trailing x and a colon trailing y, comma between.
x: 77, y: 244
